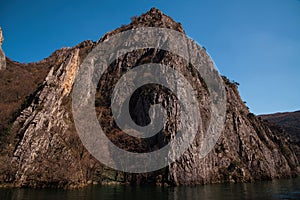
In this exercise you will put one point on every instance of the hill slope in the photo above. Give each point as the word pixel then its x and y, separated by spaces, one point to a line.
pixel 286 124
pixel 290 121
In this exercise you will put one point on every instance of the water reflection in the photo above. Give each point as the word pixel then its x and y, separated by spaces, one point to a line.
pixel 278 189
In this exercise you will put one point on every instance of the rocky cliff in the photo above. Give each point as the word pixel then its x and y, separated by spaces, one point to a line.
pixel 40 146
pixel 2 55
pixel 286 124
pixel 290 121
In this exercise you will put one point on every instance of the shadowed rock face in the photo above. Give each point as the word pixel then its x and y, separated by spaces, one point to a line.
pixel 2 55
pixel 290 121
pixel 286 124
pixel 41 147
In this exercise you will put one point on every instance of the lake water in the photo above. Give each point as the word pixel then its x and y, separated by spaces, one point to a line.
pixel 277 189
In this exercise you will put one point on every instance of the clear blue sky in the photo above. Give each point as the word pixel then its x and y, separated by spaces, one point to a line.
pixel 254 42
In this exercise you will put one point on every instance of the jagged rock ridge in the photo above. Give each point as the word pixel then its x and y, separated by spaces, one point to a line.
pixel 44 150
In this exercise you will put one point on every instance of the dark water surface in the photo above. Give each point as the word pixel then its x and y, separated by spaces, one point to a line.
pixel 277 189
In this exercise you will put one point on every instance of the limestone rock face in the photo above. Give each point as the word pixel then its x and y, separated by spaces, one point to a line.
pixel 2 55
pixel 43 148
